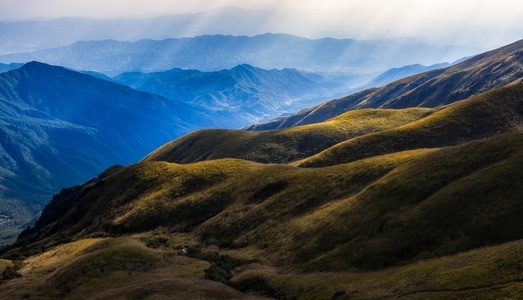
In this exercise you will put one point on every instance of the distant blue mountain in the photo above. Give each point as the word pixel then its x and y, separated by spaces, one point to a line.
pixel 251 93
pixel 60 127
pixel 217 52
pixel 30 35
pixel 402 72
pixel 9 67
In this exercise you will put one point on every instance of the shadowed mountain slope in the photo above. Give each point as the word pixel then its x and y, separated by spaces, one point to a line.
pixel 478 74
pixel 235 203
pixel 60 127
pixel 9 67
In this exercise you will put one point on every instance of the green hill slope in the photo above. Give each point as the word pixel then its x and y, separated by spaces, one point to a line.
pixel 282 146
pixel 361 216
pixel 426 206
pixel 485 115
pixel 357 134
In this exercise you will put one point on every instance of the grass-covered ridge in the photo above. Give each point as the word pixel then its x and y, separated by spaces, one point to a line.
pixel 485 273
pixel 115 268
pixel 283 146
pixel 481 116
pixel 479 74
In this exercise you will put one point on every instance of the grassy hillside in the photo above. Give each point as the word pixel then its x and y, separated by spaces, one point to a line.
pixel 481 116
pixel 357 134
pixel 166 273
pixel 117 268
pixel 413 210
pixel 486 273
pixel 282 146
pixel 426 208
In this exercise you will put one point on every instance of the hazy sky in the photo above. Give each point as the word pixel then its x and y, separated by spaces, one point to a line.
pixel 483 22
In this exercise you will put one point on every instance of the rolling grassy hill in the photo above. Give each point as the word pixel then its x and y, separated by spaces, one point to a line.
pixel 357 134
pixel 419 217
pixel 498 111
pixel 286 145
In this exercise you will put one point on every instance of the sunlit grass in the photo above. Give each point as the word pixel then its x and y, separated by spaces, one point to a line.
pixel 4 263
pixel 286 145
pixel 481 116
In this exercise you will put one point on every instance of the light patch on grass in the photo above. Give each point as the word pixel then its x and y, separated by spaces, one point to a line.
pixel 4 263
pixel 58 256
pixel 286 145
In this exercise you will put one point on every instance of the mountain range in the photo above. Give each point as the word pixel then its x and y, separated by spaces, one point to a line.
pixel 251 93
pixel 429 89
pixel 217 52
pixel 60 127
pixel 387 202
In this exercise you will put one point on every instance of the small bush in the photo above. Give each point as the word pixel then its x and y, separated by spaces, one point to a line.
pixel 11 272
pixel 221 266
pixel 260 285
pixel 157 241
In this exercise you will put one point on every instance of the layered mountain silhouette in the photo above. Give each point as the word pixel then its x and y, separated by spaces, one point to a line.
pixel 373 203
pixel 430 89
pixel 218 52
pixel 251 93
pixel 60 127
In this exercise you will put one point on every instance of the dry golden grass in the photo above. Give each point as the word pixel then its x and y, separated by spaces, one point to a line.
pixel 286 145
pixel 4 263
pixel 115 268
pixel 485 115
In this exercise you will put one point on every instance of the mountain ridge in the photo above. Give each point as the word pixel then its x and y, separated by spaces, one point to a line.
pixel 60 127
pixel 217 52
pixel 245 90
pixel 340 138
pixel 477 74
